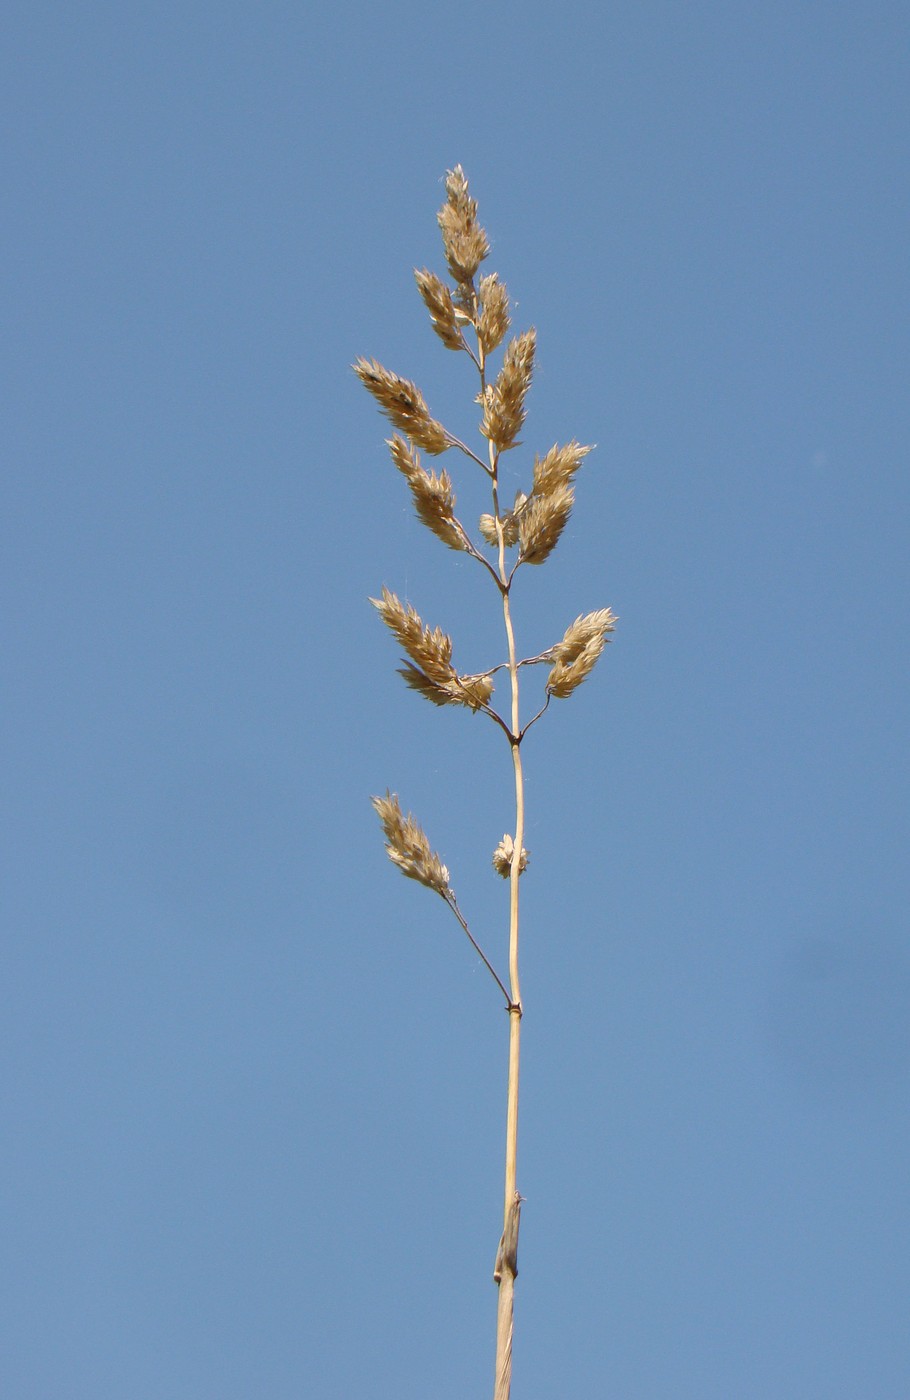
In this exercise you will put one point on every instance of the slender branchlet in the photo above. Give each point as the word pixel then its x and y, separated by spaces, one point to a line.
pixel 473 316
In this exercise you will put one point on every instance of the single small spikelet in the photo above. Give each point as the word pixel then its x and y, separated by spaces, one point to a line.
pixel 404 405
pixel 408 847
pixel 463 239
pixel 487 523
pixel 434 498
pixel 542 522
pixel 574 657
pixel 504 402
pixel 502 858
pixel 438 300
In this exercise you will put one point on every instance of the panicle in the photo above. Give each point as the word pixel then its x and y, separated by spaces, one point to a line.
pixel 408 847
pixel 503 404
pixel 404 405
pixel 434 498
pixel 463 239
pixel 438 301
pixel 542 522
pixel 493 321
pixel 574 657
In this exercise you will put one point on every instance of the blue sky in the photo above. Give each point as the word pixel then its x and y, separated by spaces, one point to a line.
pixel 253 1083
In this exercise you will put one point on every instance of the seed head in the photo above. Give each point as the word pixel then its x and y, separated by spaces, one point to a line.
pixel 438 301
pixel 542 522
pixel 408 847
pixel 503 403
pixel 494 313
pixel 404 405
pixel 463 239
pixel 434 498
pixel 557 468
pixel 574 657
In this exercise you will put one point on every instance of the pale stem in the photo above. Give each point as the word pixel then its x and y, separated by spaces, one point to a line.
pixel 505 1311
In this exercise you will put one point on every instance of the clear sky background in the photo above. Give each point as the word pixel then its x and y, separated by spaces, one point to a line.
pixel 253 1083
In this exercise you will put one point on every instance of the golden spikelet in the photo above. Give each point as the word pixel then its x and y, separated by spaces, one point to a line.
pixel 463 239
pixel 429 648
pixel 434 498
pixel 471 691
pixel 575 655
pixel 503 403
pixel 436 693
pixel 438 300
pixel 542 522
pixel 558 467
pixel 408 847
pixel 404 406
pixel 493 321
pixel 432 674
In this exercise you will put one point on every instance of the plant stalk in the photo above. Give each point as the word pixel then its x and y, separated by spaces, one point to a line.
pixel 507 1267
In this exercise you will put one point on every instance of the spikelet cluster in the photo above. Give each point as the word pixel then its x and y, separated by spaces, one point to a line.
pixel 465 243
pixel 504 410
pixel 574 657
pixel 438 300
pixel 430 671
pixel 503 855
pixel 550 502
pixel 493 320
pixel 508 519
pixel 408 847
pixel 434 497
pixel 404 406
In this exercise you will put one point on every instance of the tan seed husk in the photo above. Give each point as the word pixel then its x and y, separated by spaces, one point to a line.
pixel 463 239
pixel 504 402
pixel 408 847
pixel 493 322
pixel 404 406
pixel 429 648
pixel 575 656
pixel 542 522
pixel 557 467
pixel 438 301
pixel 471 691
pixel 434 497
pixel 432 674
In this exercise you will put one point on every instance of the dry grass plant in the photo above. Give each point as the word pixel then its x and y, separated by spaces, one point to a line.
pixel 472 317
